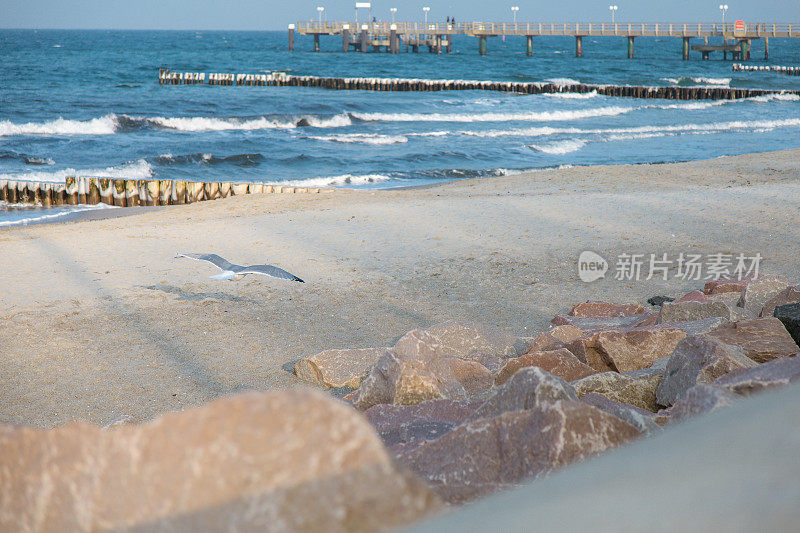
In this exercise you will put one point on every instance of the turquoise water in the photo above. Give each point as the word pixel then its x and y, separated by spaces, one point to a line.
pixel 88 103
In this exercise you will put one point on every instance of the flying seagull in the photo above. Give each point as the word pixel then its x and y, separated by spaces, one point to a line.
pixel 231 271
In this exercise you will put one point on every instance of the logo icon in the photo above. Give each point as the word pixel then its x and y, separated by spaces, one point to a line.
pixel 591 266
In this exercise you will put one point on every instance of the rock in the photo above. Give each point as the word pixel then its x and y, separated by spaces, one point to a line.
pixel 496 453
pixel 785 297
pixel 698 359
pixel 660 363
pixel 700 399
pixel 407 381
pixel 760 291
pixel 591 325
pixel 473 376
pixel 696 327
pixel 561 363
pixel 338 368
pixel 693 296
pixel 658 301
pixel 457 339
pixel 492 362
pixel 726 285
pixel 688 311
pixel 586 351
pixel 256 461
pixel 605 310
pixel 763 339
pixel 771 375
pixel 636 388
pixel 403 424
pixel 789 315
pixel 636 349
pixel 555 338
pixel 526 389
pixel 638 418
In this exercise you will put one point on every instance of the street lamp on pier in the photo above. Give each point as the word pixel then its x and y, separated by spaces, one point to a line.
pixel 320 9
pixel 724 9
pixel 514 10
pixel 393 10
pixel 426 9
pixel 613 10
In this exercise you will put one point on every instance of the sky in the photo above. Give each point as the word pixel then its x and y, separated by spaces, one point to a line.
pixel 276 15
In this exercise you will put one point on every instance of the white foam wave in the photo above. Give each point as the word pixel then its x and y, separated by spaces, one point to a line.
pixel 699 80
pixel 574 96
pixel 543 116
pixel 562 81
pixel 42 215
pixel 134 170
pixel 335 181
pixel 778 97
pixel 106 125
pixel 362 138
pixel 259 123
pixel 560 147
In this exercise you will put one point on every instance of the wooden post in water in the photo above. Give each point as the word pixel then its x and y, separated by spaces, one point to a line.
pixel 179 192
pixel 71 196
pixel 93 192
pixel 393 44
pixel 119 193
pixel 291 37
pixel 364 38
pixel 152 192
pixel 164 191
pixel 766 48
pixel 131 193
pixel 578 46
pixel 106 190
pixel 630 47
pixel 686 47
pixel 3 190
pixel 316 42
pixel 529 45
pixel 482 45
pixel 47 194
pixel 81 190
pixel 346 38
pixel 59 192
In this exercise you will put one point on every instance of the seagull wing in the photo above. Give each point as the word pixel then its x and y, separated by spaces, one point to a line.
pixel 269 270
pixel 214 259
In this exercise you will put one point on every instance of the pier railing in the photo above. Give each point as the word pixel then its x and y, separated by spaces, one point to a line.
pixel 629 29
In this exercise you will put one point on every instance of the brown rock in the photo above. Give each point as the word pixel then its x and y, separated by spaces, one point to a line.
pixel 693 296
pixel 605 310
pixel 473 376
pixel 636 388
pixel 526 389
pixel 250 462
pixel 555 338
pixel 403 424
pixel 492 362
pixel 457 339
pixel 760 291
pixel 636 349
pixel 638 418
pixel 491 454
pixel 700 399
pixel 698 359
pixel 763 339
pixel 591 325
pixel 787 296
pixel 695 327
pixel 726 285
pixel 561 363
pixel 338 368
pixel 771 375
pixel 587 352
pixel 693 310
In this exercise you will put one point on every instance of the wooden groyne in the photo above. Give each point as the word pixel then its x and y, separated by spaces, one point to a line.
pixel 280 79
pixel 789 71
pixel 132 193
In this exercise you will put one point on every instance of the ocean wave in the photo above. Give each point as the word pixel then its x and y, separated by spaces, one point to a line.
pixel 562 81
pixel 209 159
pixel 335 181
pixel 40 215
pixel 560 147
pixel 574 96
pixel 106 125
pixel 133 170
pixel 542 116
pixel 361 138
pixel 685 80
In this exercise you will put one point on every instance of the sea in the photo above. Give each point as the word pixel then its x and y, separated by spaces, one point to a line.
pixel 88 103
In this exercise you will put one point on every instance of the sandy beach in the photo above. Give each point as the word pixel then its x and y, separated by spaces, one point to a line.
pixel 99 320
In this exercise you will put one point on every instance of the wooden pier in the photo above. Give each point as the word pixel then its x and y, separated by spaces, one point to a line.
pixel 437 36
pixel 132 193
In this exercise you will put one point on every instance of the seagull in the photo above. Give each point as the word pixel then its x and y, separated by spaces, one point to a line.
pixel 231 271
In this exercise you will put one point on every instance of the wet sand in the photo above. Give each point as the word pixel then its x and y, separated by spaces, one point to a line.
pixel 100 321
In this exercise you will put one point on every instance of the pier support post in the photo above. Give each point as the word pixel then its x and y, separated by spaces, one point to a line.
pixel 578 46
pixel 364 38
pixel 686 47
pixel 766 48
pixel 415 48
pixel 529 45
pixel 744 47
pixel 393 44
pixel 291 37
pixel 482 45
pixel 316 42
pixel 449 47
pixel 438 44
pixel 346 40
pixel 630 47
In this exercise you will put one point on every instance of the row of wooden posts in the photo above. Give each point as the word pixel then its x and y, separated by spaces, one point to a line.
pixel 789 71
pixel 280 79
pixel 130 193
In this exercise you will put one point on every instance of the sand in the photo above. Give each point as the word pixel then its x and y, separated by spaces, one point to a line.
pixel 100 321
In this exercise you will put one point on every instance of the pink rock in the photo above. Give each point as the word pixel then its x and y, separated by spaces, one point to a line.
pixel 694 296
pixel 762 339
pixel 771 375
pixel 638 348
pixel 605 310
pixel 561 363
pixel 635 416
pixel 726 285
pixel 429 420
pixel 760 291
pixel 701 399
pixel 790 295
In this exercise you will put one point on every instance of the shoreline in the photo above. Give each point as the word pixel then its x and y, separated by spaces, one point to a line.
pixel 102 322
